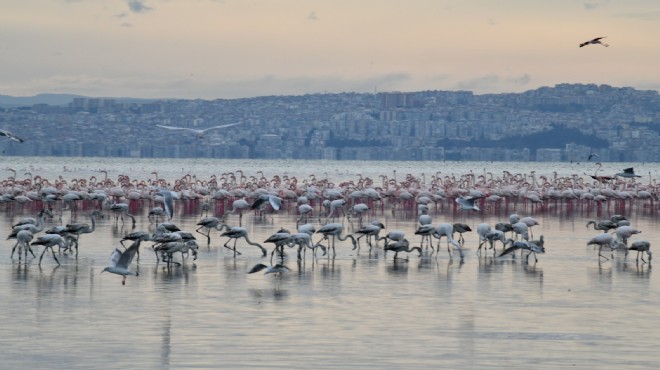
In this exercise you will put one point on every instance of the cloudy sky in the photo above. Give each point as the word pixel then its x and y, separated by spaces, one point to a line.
pixel 243 48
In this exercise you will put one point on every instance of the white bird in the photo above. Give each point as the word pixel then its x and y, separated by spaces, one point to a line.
pixel 11 136
pixel 594 42
pixel 467 203
pixel 120 261
pixel 168 202
pixel 198 132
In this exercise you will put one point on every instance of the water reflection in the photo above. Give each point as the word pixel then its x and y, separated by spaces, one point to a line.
pixel 210 313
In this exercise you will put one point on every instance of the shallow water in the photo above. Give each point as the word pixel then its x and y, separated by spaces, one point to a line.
pixel 354 311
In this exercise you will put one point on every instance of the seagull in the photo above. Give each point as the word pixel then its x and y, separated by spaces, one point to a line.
pixel 120 261
pixel 11 136
pixel 628 172
pixel 467 203
pixel 594 41
pixel 199 133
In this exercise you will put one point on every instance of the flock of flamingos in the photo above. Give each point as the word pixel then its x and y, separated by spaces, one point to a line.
pixel 321 209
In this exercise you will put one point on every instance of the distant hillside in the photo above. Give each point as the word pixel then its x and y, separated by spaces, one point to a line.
pixel 7 101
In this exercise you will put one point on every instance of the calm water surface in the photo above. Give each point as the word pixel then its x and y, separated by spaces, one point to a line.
pixel 355 311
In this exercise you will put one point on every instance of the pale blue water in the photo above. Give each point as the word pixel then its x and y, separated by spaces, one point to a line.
pixel 356 311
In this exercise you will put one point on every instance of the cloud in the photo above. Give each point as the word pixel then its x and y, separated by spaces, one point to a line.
pixel 478 83
pixel 595 4
pixel 312 16
pixel 520 80
pixel 138 6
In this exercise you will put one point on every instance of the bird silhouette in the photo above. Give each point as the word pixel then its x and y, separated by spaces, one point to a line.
pixel 594 42
pixel 10 136
pixel 198 132
pixel 628 172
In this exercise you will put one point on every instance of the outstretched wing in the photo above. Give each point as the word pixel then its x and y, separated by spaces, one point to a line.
pixel 115 257
pixel 275 202
pixel 11 136
pixel 221 126
pixel 258 267
pixel 179 128
pixel 509 250
pixel 127 256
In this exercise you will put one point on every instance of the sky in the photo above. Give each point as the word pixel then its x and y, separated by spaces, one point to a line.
pixel 224 49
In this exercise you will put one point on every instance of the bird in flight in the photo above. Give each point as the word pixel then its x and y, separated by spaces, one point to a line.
pixel 594 42
pixel 11 136
pixel 199 133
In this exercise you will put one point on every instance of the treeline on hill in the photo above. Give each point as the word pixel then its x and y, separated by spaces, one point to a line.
pixel 556 138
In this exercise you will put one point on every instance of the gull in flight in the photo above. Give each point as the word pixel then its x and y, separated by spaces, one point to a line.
pixel 594 42
pixel 467 203
pixel 199 133
pixel 120 261
pixel 11 136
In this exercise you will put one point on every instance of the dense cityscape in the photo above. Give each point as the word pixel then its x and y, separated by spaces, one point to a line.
pixel 567 122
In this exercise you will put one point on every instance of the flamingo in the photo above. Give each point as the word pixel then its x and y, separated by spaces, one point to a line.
pixel 641 246
pixel 236 233
pixel 209 223
pixel 48 241
pixel 369 230
pixel 605 225
pixel 23 239
pixel 447 230
pixel 594 41
pixel 401 246
pixel 461 228
pixel 121 209
pixel 82 228
pixel 335 231
pixel 522 245
pixel 279 239
pixel 602 240
pixel 120 261
pixel 623 233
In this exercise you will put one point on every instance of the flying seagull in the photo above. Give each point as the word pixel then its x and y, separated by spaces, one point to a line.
pixel 594 42
pixel 11 136
pixel 199 133
pixel 467 203
pixel 121 261
pixel 628 172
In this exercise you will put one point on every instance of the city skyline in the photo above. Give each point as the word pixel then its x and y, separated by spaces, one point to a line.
pixel 233 49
